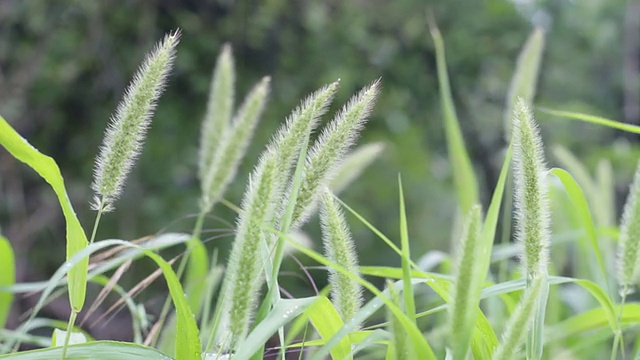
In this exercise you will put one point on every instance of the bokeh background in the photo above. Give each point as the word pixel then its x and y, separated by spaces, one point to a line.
pixel 65 64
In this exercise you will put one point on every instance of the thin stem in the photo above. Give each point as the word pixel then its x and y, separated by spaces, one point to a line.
pixel 67 337
pixel 618 340
pixel 197 231
pixel 95 224
pixel 230 205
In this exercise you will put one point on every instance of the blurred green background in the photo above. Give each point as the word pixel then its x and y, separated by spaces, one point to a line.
pixel 65 64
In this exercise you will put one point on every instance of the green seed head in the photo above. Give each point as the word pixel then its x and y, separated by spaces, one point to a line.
pixel 346 293
pixel 629 242
pixel 125 134
pixel 530 192
pixel 330 149
pixel 219 109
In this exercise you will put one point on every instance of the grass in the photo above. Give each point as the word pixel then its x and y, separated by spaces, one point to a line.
pixel 477 304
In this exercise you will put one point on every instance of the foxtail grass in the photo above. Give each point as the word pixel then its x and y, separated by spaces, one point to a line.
pixel 126 132
pixel 628 267
pixel 262 199
pixel 533 213
pixel 346 293
pixel 398 349
pixel 530 193
pixel 219 109
pixel 233 145
pixel 125 135
pixel 629 240
pixel 463 310
pixel 525 77
pixel 519 322
pixel 330 148
pixel 354 164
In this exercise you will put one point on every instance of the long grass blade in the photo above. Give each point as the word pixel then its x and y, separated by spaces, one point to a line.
pixel 593 120
pixel 582 208
pixel 465 180
pixel 416 339
pixel 407 293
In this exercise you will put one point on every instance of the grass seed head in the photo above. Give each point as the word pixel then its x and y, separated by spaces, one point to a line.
pixel 125 134
pixel 530 192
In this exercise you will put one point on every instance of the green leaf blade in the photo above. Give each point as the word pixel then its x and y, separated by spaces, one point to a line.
pixel 7 277
pixel 47 168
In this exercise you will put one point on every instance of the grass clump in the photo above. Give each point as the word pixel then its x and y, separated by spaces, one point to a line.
pixel 454 310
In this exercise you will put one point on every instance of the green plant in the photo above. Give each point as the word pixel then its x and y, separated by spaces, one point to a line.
pixel 429 315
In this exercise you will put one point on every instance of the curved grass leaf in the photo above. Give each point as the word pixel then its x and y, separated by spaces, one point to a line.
pixel 7 277
pixel 463 175
pixel 47 168
pixel 593 120
pixel 159 242
pixel 407 292
pixel 581 207
pixel 590 320
pixel 284 311
pixel 103 350
pixel 187 339
pixel 327 321
pixel 416 339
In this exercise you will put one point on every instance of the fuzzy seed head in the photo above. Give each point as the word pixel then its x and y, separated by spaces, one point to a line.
pixel 244 274
pixel 330 149
pixel 463 311
pixel 532 208
pixel 346 293
pixel 219 109
pixel 518 323
pixel 629 241
pixel 125 134
pixel 302 121
pixel 233 145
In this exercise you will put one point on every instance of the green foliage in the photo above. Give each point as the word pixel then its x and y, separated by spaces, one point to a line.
pixel 453 311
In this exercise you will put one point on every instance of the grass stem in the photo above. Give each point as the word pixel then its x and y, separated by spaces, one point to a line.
pixel 67 336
